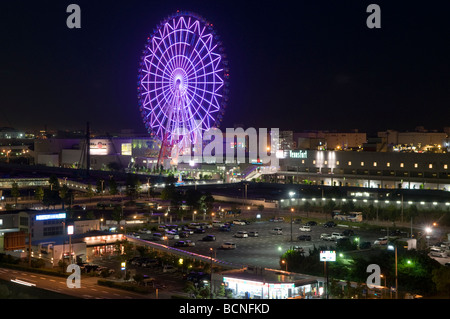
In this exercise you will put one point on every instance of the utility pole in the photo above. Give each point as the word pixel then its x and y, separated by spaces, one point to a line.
pixel 88 149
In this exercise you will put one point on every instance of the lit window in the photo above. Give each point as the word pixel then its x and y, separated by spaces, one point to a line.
pixel 375 164
pixel 303 161
pixel 445 166
pixel 430 165
pixel 337 162
pixel 314 161
pixel 402 165
pixel 349 163
pixel 362 163
pixel 326 162
pixel 416 165
pixel 388 164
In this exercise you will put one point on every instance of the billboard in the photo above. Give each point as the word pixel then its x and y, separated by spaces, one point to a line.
pixel 327 255
pixel 14 240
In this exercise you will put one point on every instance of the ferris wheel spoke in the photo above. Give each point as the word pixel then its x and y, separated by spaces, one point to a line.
pixel 199 104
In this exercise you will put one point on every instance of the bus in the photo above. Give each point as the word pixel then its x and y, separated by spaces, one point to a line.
pixel 351 217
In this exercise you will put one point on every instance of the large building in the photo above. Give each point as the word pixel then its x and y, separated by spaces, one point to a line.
pixel 367 169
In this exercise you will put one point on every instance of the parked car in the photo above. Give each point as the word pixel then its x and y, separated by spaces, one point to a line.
pixel 277 231
pixel 325 237
pixel 304 237
pixel 298 249
pixel 224 228
pixel 172 235
pixel 253 234
pixel 199 231
pixel 184 234
pixel 311 223
pixel 329 224
pixel 381 241
pixel 277 219
pixel 217 223
pixel 437 252
pixel 297 221
pixel 228 245
pixel 305 228
pixel 365 245
pixel 158 236
pixel 239 222
pixel 241 234
pixel 169 268
pixel 348 232
pixel 209 238
pixel 184 243
pixel 336 236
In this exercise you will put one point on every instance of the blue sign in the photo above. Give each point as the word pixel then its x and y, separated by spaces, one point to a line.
pixel 51 216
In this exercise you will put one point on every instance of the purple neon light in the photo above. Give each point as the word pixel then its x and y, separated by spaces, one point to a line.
pixel 182 77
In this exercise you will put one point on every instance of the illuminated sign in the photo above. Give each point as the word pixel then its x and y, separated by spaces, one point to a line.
pixel 70 230
pixel 51 216
pixel 126 148
pixel 298 154
pixel 98 147
pixel 327 255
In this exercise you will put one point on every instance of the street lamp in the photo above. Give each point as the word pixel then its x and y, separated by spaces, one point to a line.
pixel 211 250
pixel 428 230
pixel 292 213
pixel 394 247
pixel 291 194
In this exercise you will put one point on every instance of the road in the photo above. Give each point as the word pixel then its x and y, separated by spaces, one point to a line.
pixel 88 290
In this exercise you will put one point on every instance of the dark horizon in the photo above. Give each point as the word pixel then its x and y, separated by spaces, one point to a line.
pixel 294 66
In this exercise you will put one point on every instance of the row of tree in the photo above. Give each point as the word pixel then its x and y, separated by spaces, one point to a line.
pixel 417 272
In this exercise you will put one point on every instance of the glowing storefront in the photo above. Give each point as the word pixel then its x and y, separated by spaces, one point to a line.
pixel 271 284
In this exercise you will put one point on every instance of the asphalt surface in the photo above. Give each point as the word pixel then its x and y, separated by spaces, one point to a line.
pixel 266 249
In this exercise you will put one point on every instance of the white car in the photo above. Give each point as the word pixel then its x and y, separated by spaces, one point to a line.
pixel 305 228
pixel 381 241
pixel 241 234
pixel 325 237
pixel 238 222
pixel 437 252
pixel 228 246
pixel 217 223
pixel 253 234
pixel 336 236
pixel 277 231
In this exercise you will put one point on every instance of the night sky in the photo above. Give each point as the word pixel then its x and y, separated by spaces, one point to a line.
pixel 299 65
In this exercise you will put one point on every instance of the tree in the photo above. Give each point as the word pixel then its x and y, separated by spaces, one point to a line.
pixel 117 214
pixel 90 191
pixel 39 194
pixel 54 183
pixel 441 278
pixel 113 187
pixel 51 198
pixel 329 207
pixel 63 194
pixel 206 202
pixel 15 192
pixel 192 198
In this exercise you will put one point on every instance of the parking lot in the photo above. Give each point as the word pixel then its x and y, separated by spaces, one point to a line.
pixel 265 249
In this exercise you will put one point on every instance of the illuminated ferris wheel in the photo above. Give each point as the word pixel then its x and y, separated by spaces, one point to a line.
pixel 182 82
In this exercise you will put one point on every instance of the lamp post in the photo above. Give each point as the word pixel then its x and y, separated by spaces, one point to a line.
pixel 394 247
pixel 211 250
pixel 428 230
pixel 292 213
pixel 291 195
